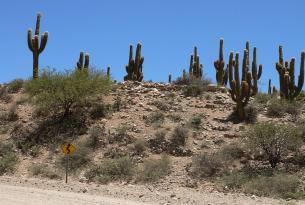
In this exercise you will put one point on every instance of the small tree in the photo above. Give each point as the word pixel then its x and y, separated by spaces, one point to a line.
pixel 59 92
pixel 276 140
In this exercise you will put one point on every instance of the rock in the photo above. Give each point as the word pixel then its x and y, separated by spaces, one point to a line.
pixel 85 189
pixel 231 135
pixel 210 106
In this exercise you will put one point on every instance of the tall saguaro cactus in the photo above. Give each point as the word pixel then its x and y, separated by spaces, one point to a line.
pixel 35 46
pixel 134 68
pixel 286 70
pixel 240 89
pixel 221 72
pixel 256 74
pixel 81 64
pixel 195 69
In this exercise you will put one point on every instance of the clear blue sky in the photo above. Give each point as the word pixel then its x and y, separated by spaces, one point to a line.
pixel 168 30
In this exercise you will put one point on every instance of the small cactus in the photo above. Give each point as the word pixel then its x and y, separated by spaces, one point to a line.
pixel 221 73
pixel 286 70
pixel 36 47
pixel 184 76
pixel 271 90
pixel 195 69
pixel 134 68
pixel 169 78
pixel 108 71
pixel 80 64
pixel 240 90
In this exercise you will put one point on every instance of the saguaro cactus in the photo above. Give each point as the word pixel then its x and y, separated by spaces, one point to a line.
pixel 108 71
pixel 271 90
pixel 35 46
pixel 288 89
pixel 195 69
pixel 240 90
pixel 221 73
pixel 169 78
pixel 256 73
pixel 80 64
pixel 134 68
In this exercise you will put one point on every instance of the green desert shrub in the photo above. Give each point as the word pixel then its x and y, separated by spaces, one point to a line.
pixel 206 165
pixel 8 158
pixel 279 107
pixel 279 185
pixel 179 136
pixel 15 86
pixel 275 140
pixel 232 151
pixel 195 122
pixel 43 170
pixel 97 137
pixel 112 170
pixel 156 118
pixel 11 115
pixel 194 90
pixel 175 117
pixel 251 113
pixel 262 98
pixel 139 146
pixel 4 95
pixel 59 92
pixel 154 169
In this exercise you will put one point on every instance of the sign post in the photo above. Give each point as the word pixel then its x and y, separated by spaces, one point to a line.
pixel 68 149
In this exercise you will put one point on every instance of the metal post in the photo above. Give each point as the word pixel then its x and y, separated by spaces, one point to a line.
pixel 67 167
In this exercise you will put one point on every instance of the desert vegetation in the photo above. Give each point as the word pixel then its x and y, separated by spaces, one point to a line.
pixel 186 132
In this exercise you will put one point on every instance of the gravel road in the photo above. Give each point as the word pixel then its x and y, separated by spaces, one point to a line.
pixel 16 195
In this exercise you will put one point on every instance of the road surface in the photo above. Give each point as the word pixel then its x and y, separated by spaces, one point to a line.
pixel 16 195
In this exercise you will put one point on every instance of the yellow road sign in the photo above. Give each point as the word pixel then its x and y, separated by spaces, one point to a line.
pixel 68 148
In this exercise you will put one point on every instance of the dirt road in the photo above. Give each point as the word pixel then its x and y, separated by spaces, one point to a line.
pixel 15 195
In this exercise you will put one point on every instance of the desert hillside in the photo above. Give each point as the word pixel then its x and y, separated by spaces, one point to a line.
pixel 159 136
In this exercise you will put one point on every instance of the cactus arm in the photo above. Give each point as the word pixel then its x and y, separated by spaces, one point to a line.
pixel 30 42
pixel 245 65
pixel 236 73
pixel 260 71
pixel 191 65
pixel 225 79
pixel 230 68
pixel 80 63
pixel 301 76
pixel 269 87
pixel 87 61
pixel 43 41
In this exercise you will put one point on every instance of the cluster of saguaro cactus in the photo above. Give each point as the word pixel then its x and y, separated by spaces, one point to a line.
pixel 35 46
pixel 286 70
pixel 81 64
pixel 221 72
pixel 240 89
pixel 134 68
pixel 195 69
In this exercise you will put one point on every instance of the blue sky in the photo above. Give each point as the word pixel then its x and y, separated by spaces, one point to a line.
pixel 168 30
